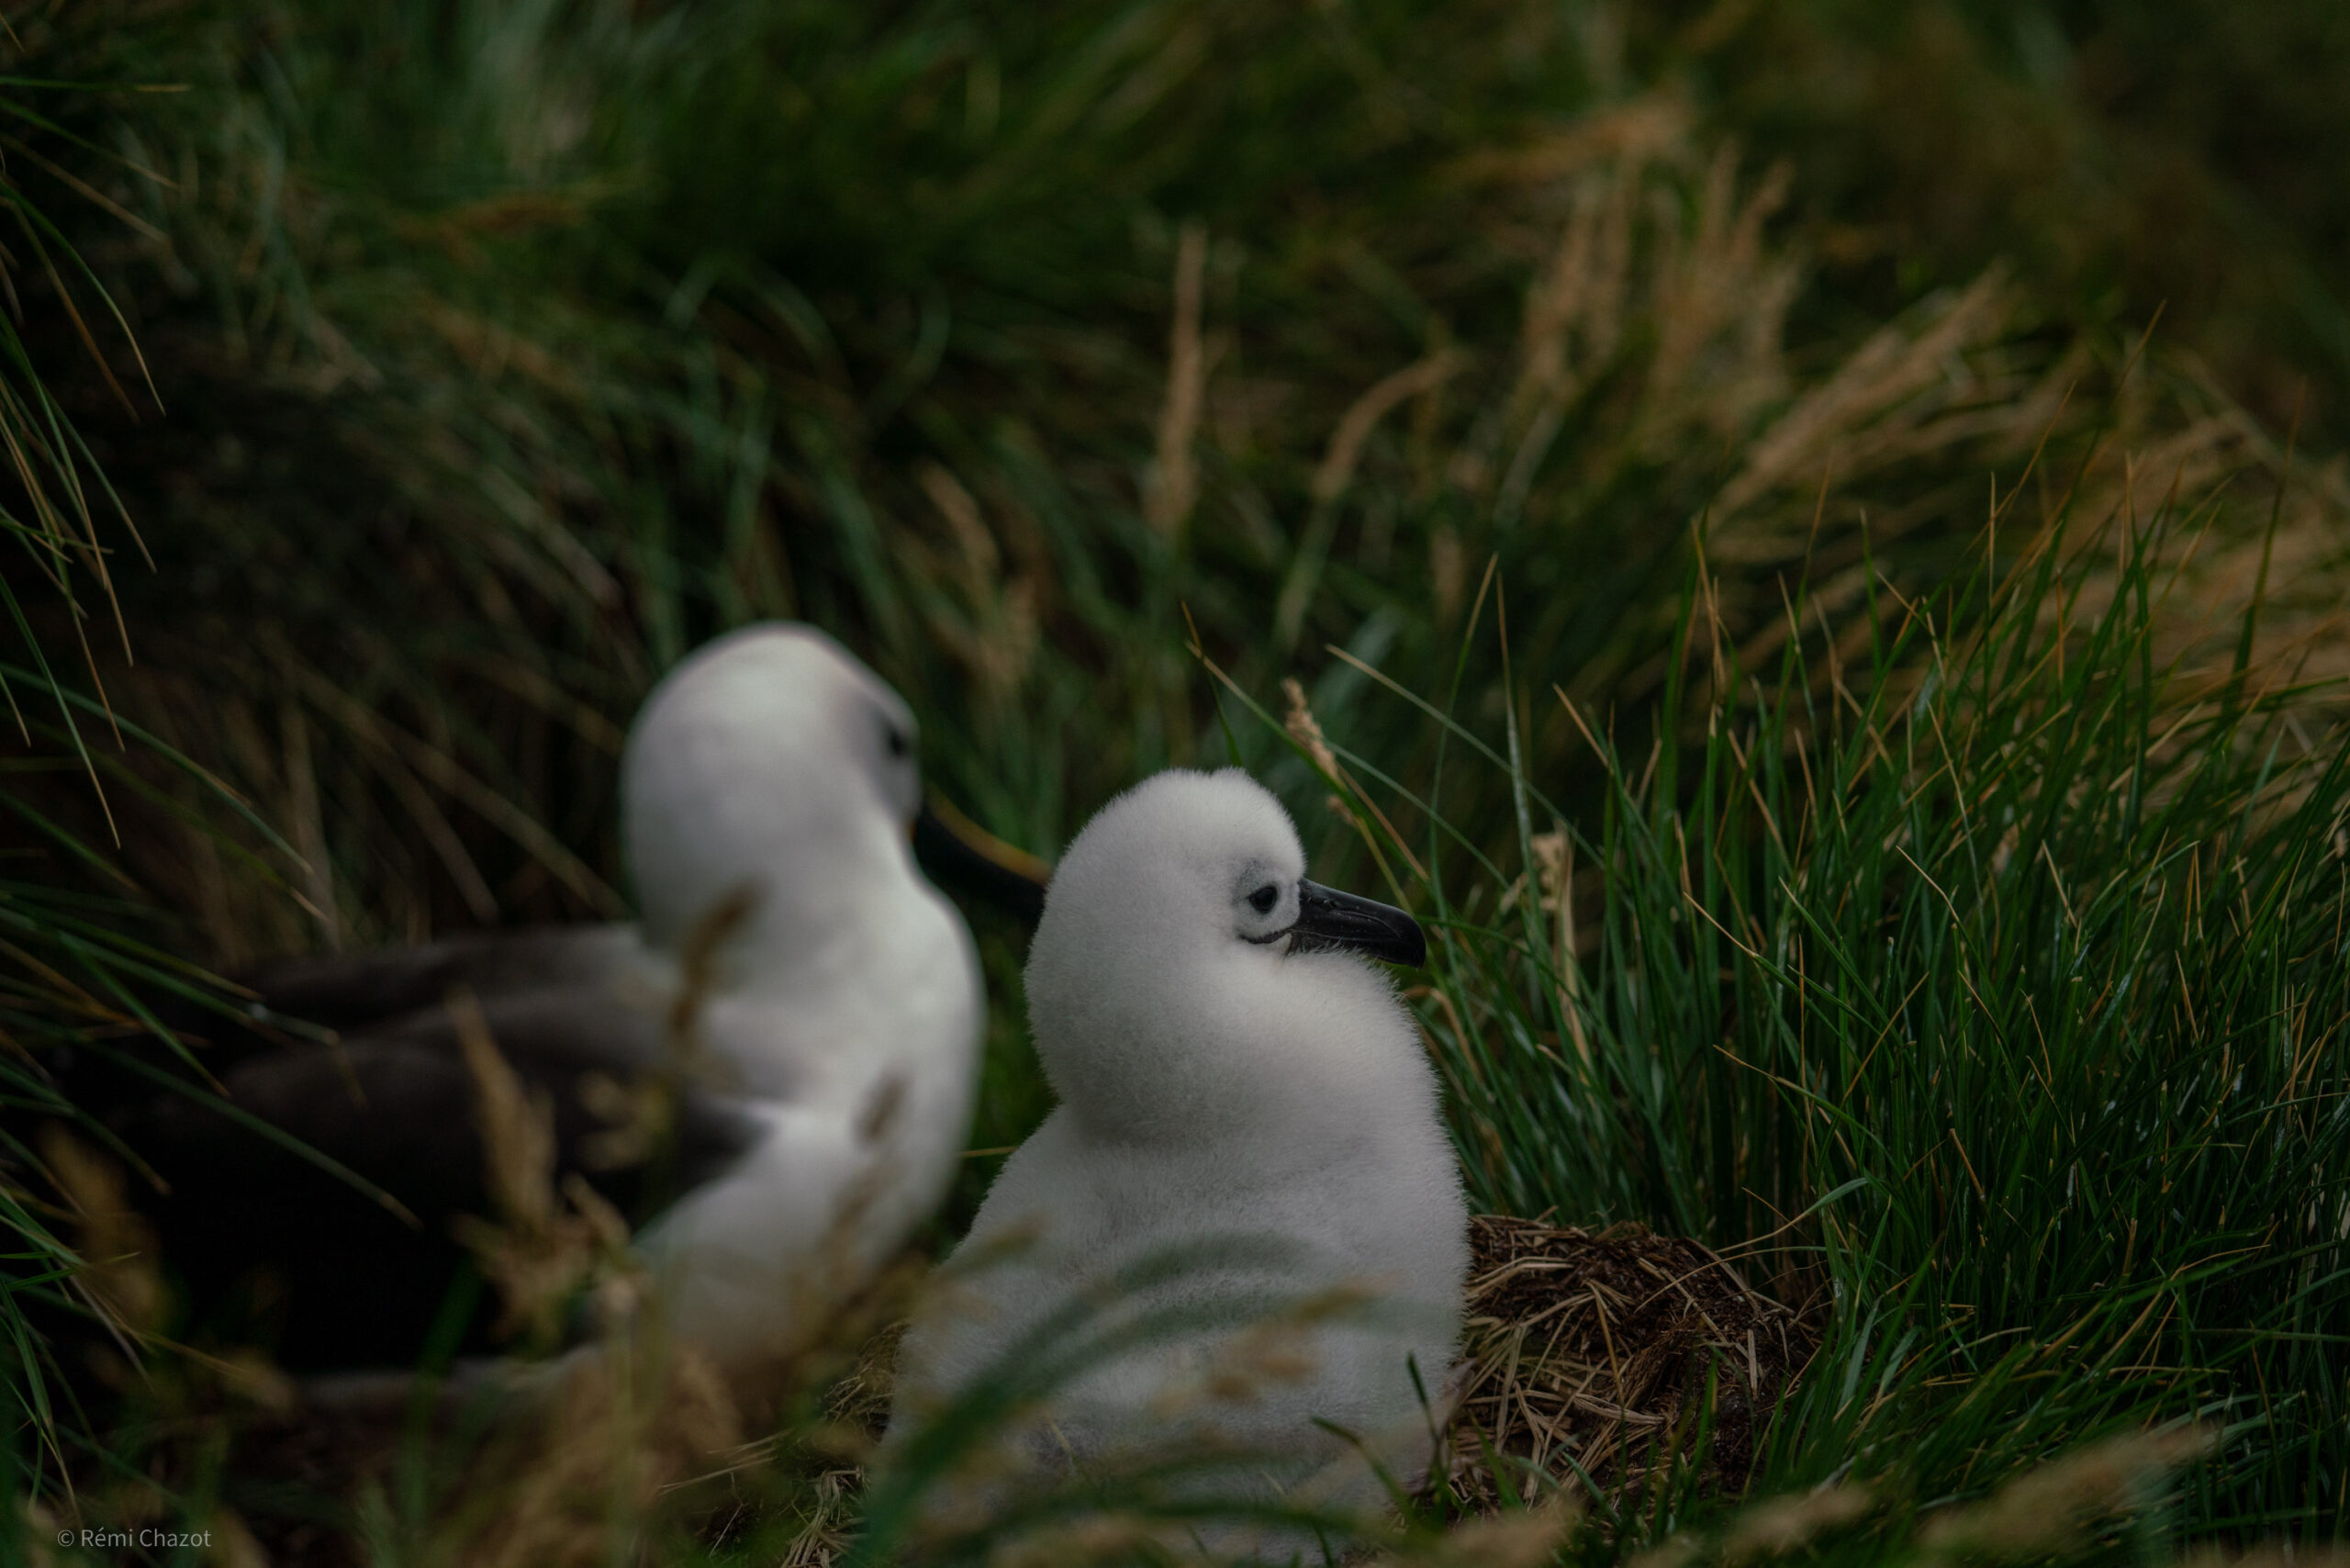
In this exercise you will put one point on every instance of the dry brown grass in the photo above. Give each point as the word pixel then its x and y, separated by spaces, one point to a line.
pixel 2052 1510
pixel 1593 1352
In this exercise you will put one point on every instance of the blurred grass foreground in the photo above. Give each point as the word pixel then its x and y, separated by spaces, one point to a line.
pixel 1809 542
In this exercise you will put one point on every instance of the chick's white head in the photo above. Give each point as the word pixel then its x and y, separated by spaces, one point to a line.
pixel 770 762
pixel 1185 967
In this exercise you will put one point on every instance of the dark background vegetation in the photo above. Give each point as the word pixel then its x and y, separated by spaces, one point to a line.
pixel 461 365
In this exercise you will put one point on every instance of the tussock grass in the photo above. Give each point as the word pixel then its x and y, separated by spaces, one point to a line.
pixel 1987 979
pixel 1940 916
pixel 999 350
pixel 83 960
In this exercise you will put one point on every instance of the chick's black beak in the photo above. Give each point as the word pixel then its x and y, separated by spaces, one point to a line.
pixel 1329 921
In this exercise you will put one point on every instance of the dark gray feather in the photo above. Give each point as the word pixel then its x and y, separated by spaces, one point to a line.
pixel 266 1243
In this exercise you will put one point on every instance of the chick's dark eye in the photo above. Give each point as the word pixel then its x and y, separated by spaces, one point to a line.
pixel 896 741
pixel 1264 898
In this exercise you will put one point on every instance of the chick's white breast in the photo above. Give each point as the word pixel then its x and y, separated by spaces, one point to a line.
pixel 1382 1212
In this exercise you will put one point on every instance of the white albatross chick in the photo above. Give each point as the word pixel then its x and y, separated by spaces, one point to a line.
pixel 1229 1065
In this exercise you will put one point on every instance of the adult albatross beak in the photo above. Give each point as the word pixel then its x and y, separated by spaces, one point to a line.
pixel 1329 921
pixel 962 857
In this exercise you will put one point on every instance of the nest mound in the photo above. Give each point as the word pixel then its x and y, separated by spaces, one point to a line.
pixel 1596 1351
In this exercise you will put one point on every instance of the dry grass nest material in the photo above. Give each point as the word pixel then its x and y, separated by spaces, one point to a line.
pixel 1598 1349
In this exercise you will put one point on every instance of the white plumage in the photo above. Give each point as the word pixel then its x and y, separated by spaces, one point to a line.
pixel 846 1015
pixel 1222 1073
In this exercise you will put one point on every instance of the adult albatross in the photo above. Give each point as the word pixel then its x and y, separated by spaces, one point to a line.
pixel 809 1003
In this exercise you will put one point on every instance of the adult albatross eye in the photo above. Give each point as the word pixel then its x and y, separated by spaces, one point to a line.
pixel 895 740
pixel 1264 898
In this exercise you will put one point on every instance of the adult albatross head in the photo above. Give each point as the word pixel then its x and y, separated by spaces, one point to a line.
pixel 771 763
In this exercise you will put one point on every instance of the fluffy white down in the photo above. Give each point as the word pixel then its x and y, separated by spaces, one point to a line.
pixel 844 1011
pixel 1212 1085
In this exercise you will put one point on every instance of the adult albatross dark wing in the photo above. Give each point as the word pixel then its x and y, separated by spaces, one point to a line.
pixel 271 1247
